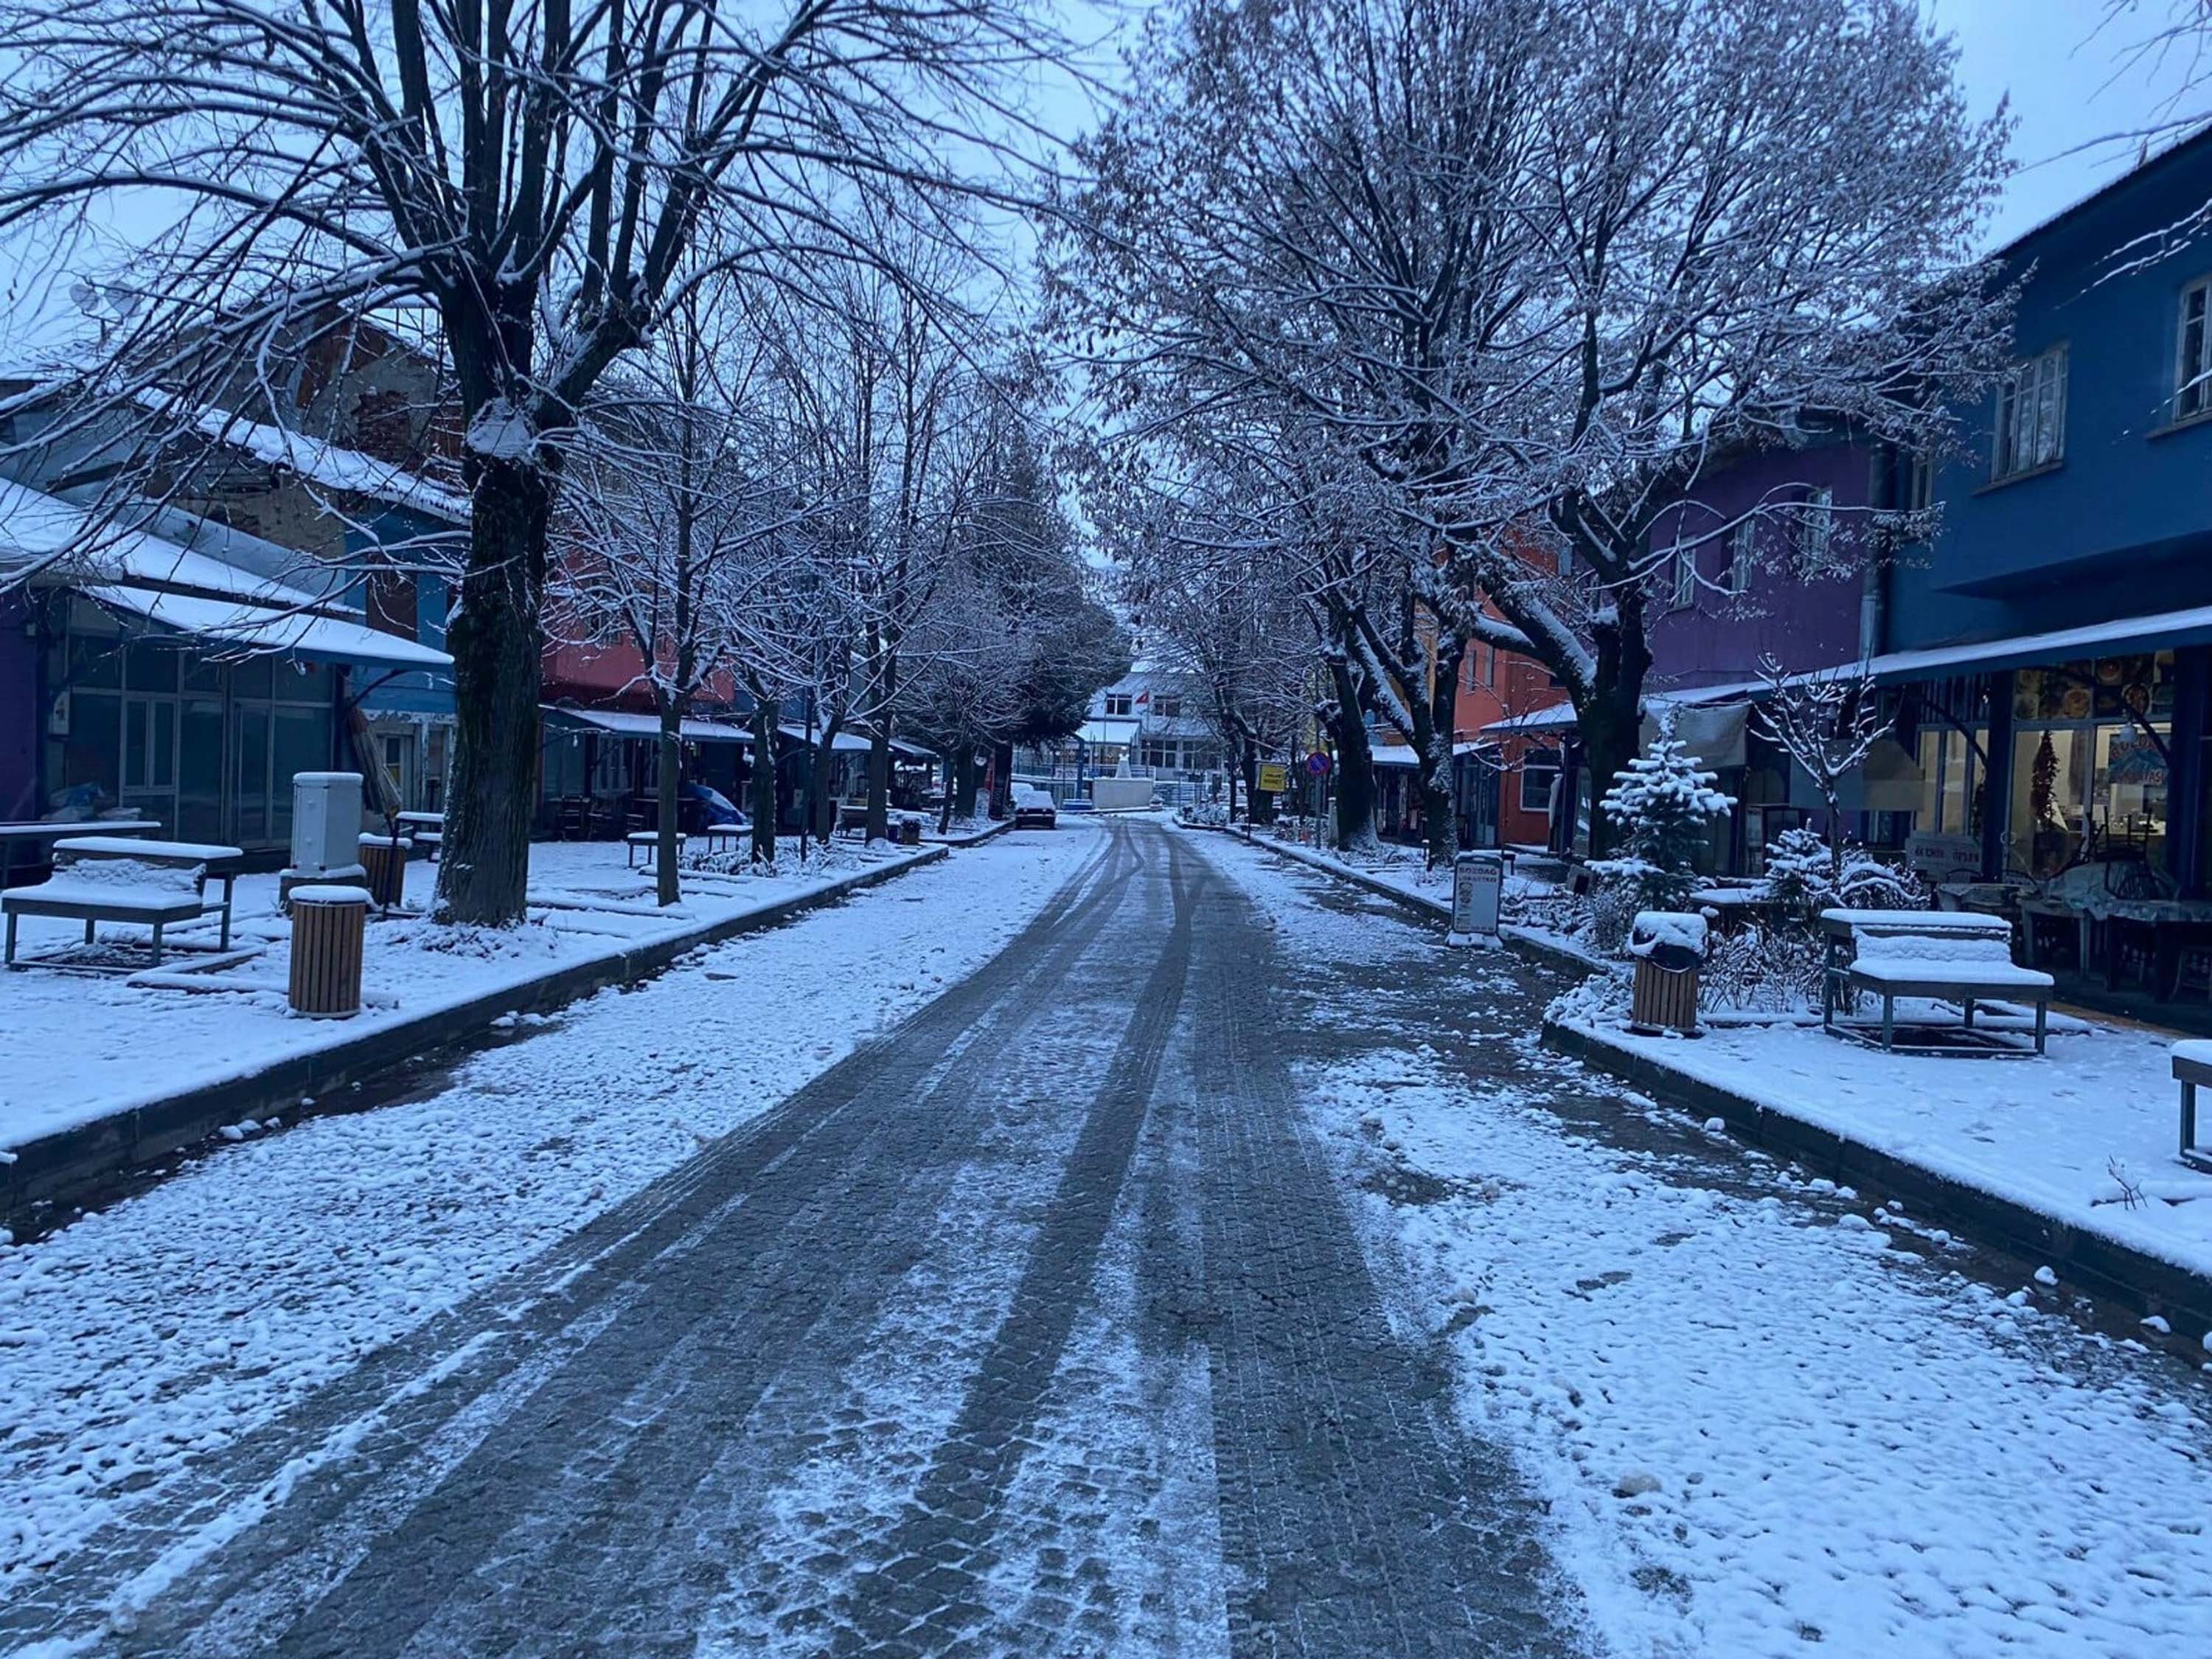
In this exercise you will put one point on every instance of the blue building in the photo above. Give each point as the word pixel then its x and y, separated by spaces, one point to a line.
pixel 2056 641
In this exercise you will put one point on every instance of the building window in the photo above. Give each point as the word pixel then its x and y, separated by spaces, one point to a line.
pixel 1119 703
pixel 1168 707
pixel 1920 484
pixel 1685 574
pixel 2192 380
pixel 2031 416
pixel 1816 531
pixel 1743 552
pixel 1159 753
pixel 1540 779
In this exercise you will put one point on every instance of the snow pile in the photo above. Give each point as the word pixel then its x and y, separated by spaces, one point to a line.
pixel 1661 931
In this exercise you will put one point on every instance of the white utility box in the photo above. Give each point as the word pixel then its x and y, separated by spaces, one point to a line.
pixel 326 825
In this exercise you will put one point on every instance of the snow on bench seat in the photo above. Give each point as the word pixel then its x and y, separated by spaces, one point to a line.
pixel 1980 962
pixel 143 894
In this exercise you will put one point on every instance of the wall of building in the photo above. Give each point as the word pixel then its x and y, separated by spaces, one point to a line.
pixel 19 697
pixel 1720 638
pixel 2122 526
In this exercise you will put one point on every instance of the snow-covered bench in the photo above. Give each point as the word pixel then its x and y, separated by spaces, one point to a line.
pixel 128 891
pixel 647 842
pixel 426 829
pixel 2192 1065
pixel 1943 956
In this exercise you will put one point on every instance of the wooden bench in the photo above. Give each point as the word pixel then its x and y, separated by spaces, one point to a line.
pixel 1948 957
pixel 2192 1065
pixel 647 842
pixel 724 837
pixel 39 831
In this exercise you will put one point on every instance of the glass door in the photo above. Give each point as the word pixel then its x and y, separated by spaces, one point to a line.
pixel 249 747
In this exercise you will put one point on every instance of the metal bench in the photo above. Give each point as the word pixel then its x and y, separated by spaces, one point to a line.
pixel 1947 956
pixel 151 895
pixel 647 842
pixel 426 829
pixel 2192 1065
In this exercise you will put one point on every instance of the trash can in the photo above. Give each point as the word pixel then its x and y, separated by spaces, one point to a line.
pixel 327 925
pixel 384 862
pixel 909 832
pixel 1668 947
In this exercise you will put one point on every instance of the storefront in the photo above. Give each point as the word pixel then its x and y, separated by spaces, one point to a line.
pixel 195 712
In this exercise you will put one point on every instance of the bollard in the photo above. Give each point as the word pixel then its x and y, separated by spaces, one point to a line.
pixel 327 925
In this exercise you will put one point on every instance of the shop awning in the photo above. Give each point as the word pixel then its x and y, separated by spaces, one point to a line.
pixel 847 743
pixel 1399 754
pixel 232 625
pixel 2160 632
pixel 1559 717
pixel 622 723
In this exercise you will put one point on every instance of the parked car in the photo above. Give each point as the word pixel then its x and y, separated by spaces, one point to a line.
pixel 1033 808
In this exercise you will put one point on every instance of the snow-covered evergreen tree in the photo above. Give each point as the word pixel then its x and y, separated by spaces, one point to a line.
pixel 1663 803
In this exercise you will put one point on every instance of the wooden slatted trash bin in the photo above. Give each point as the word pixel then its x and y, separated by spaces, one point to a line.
pixel 384 862
pixel 327 925
pixel 1668 947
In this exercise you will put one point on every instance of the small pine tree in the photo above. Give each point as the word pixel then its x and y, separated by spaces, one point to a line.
pixel 1663 802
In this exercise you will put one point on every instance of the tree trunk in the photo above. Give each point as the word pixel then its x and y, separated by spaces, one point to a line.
pixel 821 792
pixel 1611 718
pixel 494 639
pixel 1439 823
pixel 963 782
pixel 1355 763
pixel 667 816
pixel 1002 781
pixel 1248 760
pixel 880 782
pixel 945 813
pixel 764 781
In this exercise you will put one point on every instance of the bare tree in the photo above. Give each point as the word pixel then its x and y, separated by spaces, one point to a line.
pixel 1826 723
pixel 675 505
pixel 1530 264
pixel 547 180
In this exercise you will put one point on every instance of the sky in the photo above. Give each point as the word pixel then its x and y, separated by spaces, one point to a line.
pixel 2072 83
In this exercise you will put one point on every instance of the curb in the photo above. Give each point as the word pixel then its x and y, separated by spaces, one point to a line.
pixel 975 840
pixel 1530 947
pixel 2117 1273
pixel 72 1163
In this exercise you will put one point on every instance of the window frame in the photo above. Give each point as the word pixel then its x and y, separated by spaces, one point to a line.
pixel 1682 593
pixel 2193 380
pixel 1549 770
pixel 1743 555
pixel 1127 701
pixel 2050 368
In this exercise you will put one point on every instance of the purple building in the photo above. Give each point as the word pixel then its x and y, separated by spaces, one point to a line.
pixel 1766 556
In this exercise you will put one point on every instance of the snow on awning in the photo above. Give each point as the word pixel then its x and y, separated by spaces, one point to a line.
pixel 1559 717
pixel 2163 630
pixel 260 630
pixel 1402 756
pixel 847 743
pixel 1111 729
pixel 622 723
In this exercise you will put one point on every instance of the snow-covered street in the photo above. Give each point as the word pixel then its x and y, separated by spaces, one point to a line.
pixel 1198 1260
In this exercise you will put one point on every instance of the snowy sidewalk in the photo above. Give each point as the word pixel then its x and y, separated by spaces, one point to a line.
pixel 81 1053
pixel 2084 1137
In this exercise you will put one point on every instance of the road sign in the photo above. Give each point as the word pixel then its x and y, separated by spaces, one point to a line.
pixel 1317 763
pixel 1272 780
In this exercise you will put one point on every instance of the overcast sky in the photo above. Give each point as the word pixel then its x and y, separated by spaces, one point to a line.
pixel 2071 84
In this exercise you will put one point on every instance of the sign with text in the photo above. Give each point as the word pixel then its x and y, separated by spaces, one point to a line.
pixel 1272 780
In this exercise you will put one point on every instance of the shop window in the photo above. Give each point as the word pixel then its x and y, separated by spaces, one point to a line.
pixel 1816 530
pixel 2031 427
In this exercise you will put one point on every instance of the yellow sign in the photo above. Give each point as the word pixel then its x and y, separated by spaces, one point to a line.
pixel 1271 778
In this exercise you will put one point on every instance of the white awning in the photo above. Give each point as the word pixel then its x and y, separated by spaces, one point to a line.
pixel 622 723
pixel 2160 632
pixel 847 743
pixel 1108 729
pixel 1559 717
pixel 259 629
pixel 1401 754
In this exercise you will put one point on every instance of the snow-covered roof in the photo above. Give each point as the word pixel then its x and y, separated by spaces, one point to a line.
pixel 262 629
pixel 1108 728
pixel 187 593
pixel 624 723
pixel 329 465
pixel 1559 717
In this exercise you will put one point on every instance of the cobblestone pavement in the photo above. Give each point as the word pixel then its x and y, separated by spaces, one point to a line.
pixel 1039 1327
